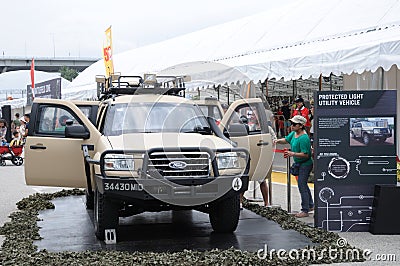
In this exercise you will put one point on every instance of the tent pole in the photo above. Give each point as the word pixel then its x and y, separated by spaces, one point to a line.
pixel 330 80
pixel 294 89
pixel 266 87
pixel 227 92
pixel 320 82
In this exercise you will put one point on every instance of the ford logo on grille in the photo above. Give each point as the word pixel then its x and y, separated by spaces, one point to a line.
pixel 177 165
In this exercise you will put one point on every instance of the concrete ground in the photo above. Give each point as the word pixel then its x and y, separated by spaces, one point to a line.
pixel 13 189
pixel 381 246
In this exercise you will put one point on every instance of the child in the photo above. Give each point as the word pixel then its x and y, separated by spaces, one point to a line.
pixel 16 140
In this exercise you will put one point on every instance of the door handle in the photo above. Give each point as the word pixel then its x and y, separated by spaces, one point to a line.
pixel 261 143
pixel 37 147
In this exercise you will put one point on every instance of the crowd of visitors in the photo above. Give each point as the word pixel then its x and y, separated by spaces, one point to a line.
pixel 286 109
pixel 19 130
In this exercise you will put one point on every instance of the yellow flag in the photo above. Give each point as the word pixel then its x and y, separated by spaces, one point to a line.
pixel 107 54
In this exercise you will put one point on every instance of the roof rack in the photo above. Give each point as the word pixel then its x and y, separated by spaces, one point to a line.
pixel 118 84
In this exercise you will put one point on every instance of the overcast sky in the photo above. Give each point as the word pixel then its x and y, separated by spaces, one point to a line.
pixel 62 28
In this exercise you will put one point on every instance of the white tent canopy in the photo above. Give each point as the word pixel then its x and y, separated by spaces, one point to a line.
pixel 306 38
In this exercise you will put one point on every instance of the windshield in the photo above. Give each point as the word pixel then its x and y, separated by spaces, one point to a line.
pixel 153 118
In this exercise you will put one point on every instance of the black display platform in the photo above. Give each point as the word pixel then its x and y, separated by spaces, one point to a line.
pixel 69 227
pixel 385 218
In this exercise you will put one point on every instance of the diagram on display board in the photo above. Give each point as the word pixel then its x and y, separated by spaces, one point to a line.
pixel 376 165
pixel 344 213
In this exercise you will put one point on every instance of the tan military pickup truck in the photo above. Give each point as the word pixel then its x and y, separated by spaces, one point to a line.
pixel 144 147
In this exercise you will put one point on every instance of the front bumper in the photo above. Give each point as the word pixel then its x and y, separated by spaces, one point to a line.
pixel 132 189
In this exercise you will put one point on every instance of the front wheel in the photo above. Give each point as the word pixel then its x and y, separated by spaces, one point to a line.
pixel 224 215
pixel 105 215
pixel 366 139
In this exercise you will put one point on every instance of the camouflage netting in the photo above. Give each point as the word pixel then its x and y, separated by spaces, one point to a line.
pixel 22 230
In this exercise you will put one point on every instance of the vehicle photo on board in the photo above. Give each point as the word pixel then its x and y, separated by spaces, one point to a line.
pixel 144 147
pixel 371 130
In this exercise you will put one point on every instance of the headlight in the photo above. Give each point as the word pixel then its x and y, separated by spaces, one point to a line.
pixel 227 160
pixel 377 131
pixel 119 162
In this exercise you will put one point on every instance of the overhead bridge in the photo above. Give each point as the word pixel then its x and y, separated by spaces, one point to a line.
pixel 47 64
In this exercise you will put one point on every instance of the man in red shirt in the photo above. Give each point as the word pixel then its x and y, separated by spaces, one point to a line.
pixel 303 111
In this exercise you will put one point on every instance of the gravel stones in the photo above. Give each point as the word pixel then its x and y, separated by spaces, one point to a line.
pixel 22 230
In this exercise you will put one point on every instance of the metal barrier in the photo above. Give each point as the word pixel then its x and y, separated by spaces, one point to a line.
pixel 288 179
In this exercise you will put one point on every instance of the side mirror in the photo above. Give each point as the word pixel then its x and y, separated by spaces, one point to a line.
pixel 237 130
pixel 69 122
pixel 77 132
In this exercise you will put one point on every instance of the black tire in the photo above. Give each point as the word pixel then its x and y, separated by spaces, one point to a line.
pixel 352 134
pixel 366 139
pixel 105 215
pixel 224 215
pixel 3 163
pixel 17 160
pixel 89 200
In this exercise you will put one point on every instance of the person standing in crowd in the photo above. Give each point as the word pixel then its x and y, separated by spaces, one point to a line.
pixel 312 121
pixel 304 112
pixel 286 114
pixel 27 117
pixel 301 152
pixel 3 131
pixel 15 123
pixel 22 128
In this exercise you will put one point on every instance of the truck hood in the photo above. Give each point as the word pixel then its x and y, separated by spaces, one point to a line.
pixel 146 141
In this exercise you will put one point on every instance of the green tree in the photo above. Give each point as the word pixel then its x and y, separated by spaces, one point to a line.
pixel 68 73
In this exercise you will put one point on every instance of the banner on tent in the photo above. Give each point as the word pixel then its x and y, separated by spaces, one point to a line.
pixel 47 89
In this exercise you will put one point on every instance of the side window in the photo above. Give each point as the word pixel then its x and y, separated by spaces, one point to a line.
pixel 52 120
pixel 85 110
pixel 247 114
pixel 90 111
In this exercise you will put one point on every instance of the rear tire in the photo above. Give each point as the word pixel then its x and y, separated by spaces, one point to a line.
pixel 105 215
pixel 224 215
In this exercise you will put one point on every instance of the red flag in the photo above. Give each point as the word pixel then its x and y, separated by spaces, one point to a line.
pixel 33 77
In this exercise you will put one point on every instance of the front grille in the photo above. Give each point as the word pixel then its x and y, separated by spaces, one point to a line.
pixel 180 164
